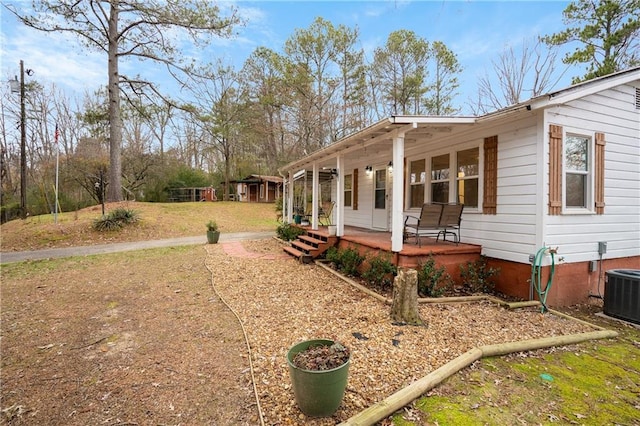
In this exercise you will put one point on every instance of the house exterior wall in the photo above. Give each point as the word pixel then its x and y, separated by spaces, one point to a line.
pixel 511 234
pixel 522 224
pixel 613 113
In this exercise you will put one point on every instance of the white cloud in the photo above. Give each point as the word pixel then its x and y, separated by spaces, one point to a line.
pixel 54 58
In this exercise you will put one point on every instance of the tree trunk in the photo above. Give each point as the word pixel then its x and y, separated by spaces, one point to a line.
pixel 115 121
pixel 405 298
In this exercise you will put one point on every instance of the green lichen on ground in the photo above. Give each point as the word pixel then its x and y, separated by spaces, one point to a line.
pixel 594 383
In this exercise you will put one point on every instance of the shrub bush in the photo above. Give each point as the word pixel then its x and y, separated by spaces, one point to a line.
pixel 288 232
pixel 433 281
pixel 477 277
pixel 124 216
pixel 380 272
pixel 346 260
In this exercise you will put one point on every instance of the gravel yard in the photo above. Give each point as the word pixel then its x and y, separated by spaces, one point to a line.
pixel 281 302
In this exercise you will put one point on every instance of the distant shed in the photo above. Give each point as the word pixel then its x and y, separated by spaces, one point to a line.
pixel 258 188
pixel 182 195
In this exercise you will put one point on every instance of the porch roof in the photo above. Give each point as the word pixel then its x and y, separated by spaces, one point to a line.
pixel 258 179
pixel 383 130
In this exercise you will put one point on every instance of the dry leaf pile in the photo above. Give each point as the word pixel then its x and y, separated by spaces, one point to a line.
pixel 282 302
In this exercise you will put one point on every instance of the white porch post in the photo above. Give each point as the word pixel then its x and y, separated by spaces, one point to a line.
pixel 290 199
pixel 339 207
pixel 397 205
pixel 314 197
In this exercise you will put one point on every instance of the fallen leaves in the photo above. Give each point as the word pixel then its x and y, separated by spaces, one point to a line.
pixel 282 302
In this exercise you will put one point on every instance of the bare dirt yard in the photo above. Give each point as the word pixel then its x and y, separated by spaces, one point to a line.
pixel 152 338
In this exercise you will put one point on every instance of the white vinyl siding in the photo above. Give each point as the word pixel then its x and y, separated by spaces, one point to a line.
pixel 613 113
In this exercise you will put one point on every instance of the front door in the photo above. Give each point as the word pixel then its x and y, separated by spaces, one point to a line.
pixel 380 212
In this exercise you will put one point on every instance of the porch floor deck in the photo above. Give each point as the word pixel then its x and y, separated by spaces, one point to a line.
pixel 445 252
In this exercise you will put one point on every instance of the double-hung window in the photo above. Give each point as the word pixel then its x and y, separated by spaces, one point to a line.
pixel 467 177
pixel 577 172
pixel 440 179
pixel 348 190
pixel 417 179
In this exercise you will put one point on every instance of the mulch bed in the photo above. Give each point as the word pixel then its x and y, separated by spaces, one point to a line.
pixel 281 302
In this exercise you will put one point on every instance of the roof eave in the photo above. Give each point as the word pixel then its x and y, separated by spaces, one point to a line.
pixel 386 126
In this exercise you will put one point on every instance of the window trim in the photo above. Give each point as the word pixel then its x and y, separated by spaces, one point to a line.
pixel 453 168
pixel 472 177
pixel 589 207
pixel 409 185
pixel 350 191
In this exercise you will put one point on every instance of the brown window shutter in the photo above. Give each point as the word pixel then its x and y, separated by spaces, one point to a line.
pixel 599 173
pixel 490 197
pixel 354 188
pixel 555 170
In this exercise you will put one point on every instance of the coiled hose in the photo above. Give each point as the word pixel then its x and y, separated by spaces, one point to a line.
pixel 536 275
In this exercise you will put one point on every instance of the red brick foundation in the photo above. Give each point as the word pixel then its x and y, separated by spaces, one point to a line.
pixel 572 282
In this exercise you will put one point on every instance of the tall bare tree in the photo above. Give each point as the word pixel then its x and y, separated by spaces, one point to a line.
pixel 128 28
pixel 517 75
pixel 218 109
pixel 263 76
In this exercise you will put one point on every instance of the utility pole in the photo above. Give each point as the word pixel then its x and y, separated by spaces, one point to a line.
pixel 23 147
pixel 17 86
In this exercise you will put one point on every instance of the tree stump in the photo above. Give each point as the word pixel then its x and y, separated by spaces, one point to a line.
pixel 405 298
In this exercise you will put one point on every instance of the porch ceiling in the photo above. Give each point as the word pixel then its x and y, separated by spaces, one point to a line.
pixel 380 135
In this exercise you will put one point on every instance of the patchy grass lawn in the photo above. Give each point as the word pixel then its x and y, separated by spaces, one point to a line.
pixel 594 383
pixel 140 337
pixel 128 338
pixel 157 221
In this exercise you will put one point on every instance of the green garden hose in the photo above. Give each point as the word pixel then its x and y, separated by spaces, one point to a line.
pixel 536 275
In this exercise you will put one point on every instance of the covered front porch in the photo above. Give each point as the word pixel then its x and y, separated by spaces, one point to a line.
pixel 374 183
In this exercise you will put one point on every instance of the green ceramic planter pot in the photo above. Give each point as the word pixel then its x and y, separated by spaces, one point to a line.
pixel 213 236
pixel 318 393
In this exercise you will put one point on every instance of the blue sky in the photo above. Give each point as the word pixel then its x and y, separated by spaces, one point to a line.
pixel 477 31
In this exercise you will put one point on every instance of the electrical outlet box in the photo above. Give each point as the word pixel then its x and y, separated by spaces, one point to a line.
pixel 593 265
pixel 532 258
pixel 602 247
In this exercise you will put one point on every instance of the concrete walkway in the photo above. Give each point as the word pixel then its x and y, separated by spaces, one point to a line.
pixel 21 256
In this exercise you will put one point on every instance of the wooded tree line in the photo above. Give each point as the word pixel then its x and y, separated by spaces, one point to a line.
pixel 137 141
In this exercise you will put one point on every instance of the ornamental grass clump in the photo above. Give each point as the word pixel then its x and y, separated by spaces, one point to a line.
pixel 115 220
pixel 322 357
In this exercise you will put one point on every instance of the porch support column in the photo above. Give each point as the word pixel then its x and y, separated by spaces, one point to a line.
pixel 290 198
pixel 314 197
pixel 339 207
pixel 397 204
